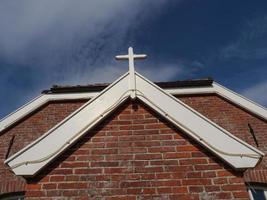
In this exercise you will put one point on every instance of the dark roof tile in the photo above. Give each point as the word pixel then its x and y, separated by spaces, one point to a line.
pixel 100 86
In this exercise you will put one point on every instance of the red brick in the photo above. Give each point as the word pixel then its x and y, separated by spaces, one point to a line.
pixel 147 156
pixel 72 185
pixel 134 191
pixel 161 149
pixel 49 186
pixel 35 193
pixel 180 190
pixel 74 164
pixel 147 176
pixel 164 175
pixel 149 190
pixel 115 170
pixel 212 188
pixel 167 183
pixel 196 182
pixel 235 180
pixel 104 151
pixel 194 175
pixel 207 167
pixel 87 171
pixel 223 195
pixel 242 194
pixel 176 155
pixel 209 174
pixel 224 173
pixel 132 150
pixel 69 193
pixel 146 144
pixel 220 181
pixel 233 187
pixel 196 189
pixel 189 148
pixel 164 190
pixel 145 132
pixel 104 164
pixel 148 169
pixel 33 187
pixel 62 171
pixel 132 127
pixel 119 157
pixel 132 138
pixel 193 161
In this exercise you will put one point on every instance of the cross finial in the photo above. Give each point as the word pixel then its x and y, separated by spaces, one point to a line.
pixel 131 56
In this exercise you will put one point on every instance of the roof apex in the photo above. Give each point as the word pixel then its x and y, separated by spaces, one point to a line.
pixel 31 159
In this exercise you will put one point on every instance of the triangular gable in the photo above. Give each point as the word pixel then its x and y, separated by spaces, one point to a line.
pixel 41 152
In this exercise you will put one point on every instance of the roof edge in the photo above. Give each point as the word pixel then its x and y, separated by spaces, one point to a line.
pixel 31 159
pixel 57 89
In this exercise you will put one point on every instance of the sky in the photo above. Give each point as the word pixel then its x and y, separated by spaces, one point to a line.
pixel 66 42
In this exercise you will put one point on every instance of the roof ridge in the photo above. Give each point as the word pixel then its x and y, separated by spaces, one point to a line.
pixel 100 86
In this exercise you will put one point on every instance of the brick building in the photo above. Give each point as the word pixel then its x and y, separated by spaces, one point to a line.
pixel 168 140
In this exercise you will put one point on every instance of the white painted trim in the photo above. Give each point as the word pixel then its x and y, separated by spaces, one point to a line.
pixel 193 90
pixel 197 126
pixel 64 134
pixel 226 93
pixel 33 158
pixel 37 103
pixel 216 88
pixel 240 100
pixel 131 57
pixel 252 187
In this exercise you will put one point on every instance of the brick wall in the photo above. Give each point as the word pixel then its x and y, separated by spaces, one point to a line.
pixel 26 131
pixel 217 109
pixel 136 155
pixel 236 121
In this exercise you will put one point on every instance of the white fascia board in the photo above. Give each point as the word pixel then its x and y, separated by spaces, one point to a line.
pixel 234 151
pixel 214 89
pixel 41 152
pixel 37 103
pixel 240 100
pixel 222 143
pixel 226 93
pixel 188 91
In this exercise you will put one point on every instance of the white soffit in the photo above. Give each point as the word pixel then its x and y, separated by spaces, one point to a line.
pixel 33 158
pixel 42 151
pixel 222 143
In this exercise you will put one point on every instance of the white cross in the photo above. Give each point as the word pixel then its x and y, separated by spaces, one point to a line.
pixel 131 56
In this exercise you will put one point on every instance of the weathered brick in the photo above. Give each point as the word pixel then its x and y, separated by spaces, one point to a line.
pixel 233 187
pixel 197 181
pixel 26 131
pixel 196 189
pixel 136 155
pixel 87 171
pixel 49 186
